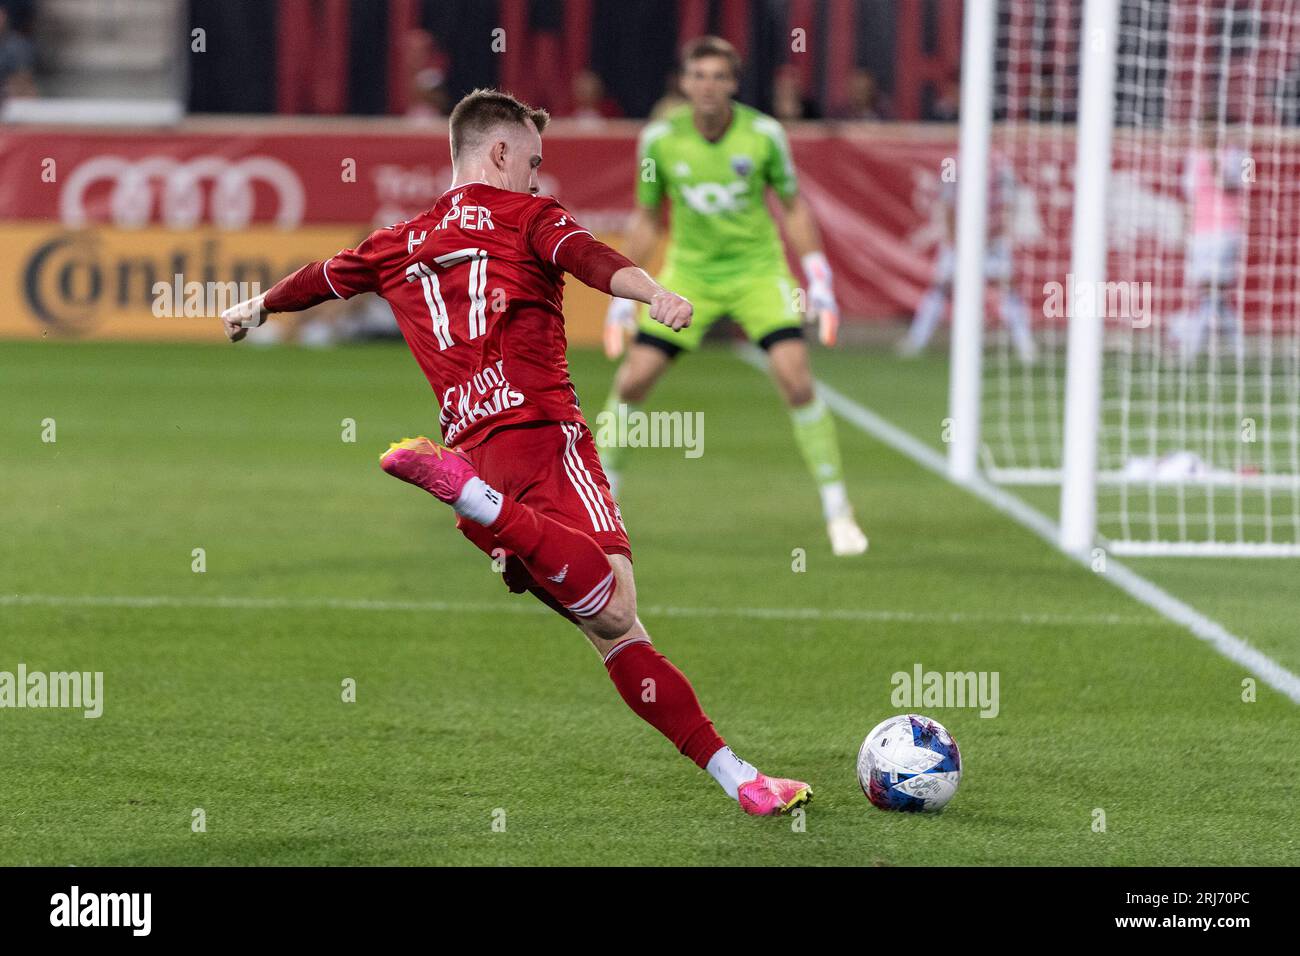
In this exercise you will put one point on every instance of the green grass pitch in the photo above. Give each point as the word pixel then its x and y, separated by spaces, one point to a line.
pixel 474 706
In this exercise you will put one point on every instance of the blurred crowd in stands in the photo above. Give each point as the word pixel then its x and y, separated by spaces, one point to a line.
pixel 431 96
pixel 586 60
pixel 17 55
pixel 589 101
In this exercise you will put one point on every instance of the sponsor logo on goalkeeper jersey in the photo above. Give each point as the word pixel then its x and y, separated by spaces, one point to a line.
pixel 711 199
pixel 486 394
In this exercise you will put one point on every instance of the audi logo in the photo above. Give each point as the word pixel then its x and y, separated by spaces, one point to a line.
pixel 231 198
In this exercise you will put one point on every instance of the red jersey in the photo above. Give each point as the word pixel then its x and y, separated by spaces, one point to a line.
pixel 477 293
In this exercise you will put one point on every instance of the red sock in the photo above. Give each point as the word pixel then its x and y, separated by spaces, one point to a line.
pixel 663 697
pixel 550 550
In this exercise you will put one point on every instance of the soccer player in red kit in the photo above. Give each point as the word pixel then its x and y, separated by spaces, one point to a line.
pixel 476 283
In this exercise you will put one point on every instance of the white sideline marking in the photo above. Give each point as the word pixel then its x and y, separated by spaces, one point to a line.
pixel 531 607
pixel 1124 578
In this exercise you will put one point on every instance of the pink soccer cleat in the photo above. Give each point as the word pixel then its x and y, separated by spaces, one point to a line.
pixel 768 796
pixel 440 471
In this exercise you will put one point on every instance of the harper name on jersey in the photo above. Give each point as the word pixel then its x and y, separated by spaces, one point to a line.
pixel 476 291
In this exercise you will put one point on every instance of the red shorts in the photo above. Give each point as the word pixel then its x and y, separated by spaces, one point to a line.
pixel 552 467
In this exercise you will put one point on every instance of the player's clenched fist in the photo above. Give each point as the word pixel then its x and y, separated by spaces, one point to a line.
pixel 242 316
pixel 670 309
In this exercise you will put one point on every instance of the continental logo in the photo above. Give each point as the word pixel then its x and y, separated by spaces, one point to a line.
pixel 180 193
pixel 72 281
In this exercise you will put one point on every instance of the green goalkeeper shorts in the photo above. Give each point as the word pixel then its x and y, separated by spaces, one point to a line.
pixel 763 304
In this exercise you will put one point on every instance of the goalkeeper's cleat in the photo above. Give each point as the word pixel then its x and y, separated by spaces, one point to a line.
pixel 846 537
pixel 769 796
pixel 440 471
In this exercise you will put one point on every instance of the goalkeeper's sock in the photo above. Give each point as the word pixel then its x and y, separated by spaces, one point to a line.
pixel 926 320
pixel 661 695
pixel 611 430
pixel 814 432
pixel 567 564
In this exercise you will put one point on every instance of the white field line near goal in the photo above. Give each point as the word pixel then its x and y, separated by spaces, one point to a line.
pixel 1152 595
pixel 531 607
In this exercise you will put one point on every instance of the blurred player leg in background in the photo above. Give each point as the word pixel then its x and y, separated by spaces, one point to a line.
pixel 929 313
pixel 653 349
pixel 1213 189
pixel 646 361
pixel 1212 270
pixel 1011 307
pixel 814 435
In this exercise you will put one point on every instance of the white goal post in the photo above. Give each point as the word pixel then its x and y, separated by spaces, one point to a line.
pixel 1129 178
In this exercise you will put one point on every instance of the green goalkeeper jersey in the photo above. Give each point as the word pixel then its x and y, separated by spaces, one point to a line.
pixel 720 226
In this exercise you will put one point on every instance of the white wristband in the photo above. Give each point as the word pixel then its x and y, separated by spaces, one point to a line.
pixel 815 267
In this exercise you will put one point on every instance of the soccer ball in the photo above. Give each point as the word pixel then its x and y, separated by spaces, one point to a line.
pixel 909 763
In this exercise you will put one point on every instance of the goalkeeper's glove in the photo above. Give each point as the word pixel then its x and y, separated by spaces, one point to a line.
pixel 619 321
pixel 821 298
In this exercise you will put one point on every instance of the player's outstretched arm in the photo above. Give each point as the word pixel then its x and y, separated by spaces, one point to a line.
pixel 607 270
pixel 308 286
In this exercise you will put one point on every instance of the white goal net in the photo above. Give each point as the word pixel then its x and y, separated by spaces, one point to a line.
pixel 1198 435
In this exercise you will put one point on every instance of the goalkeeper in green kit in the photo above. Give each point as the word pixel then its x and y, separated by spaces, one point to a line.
pixel 712 160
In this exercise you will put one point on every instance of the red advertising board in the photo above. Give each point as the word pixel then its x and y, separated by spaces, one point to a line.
pixel 232 184
pixel 88 217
